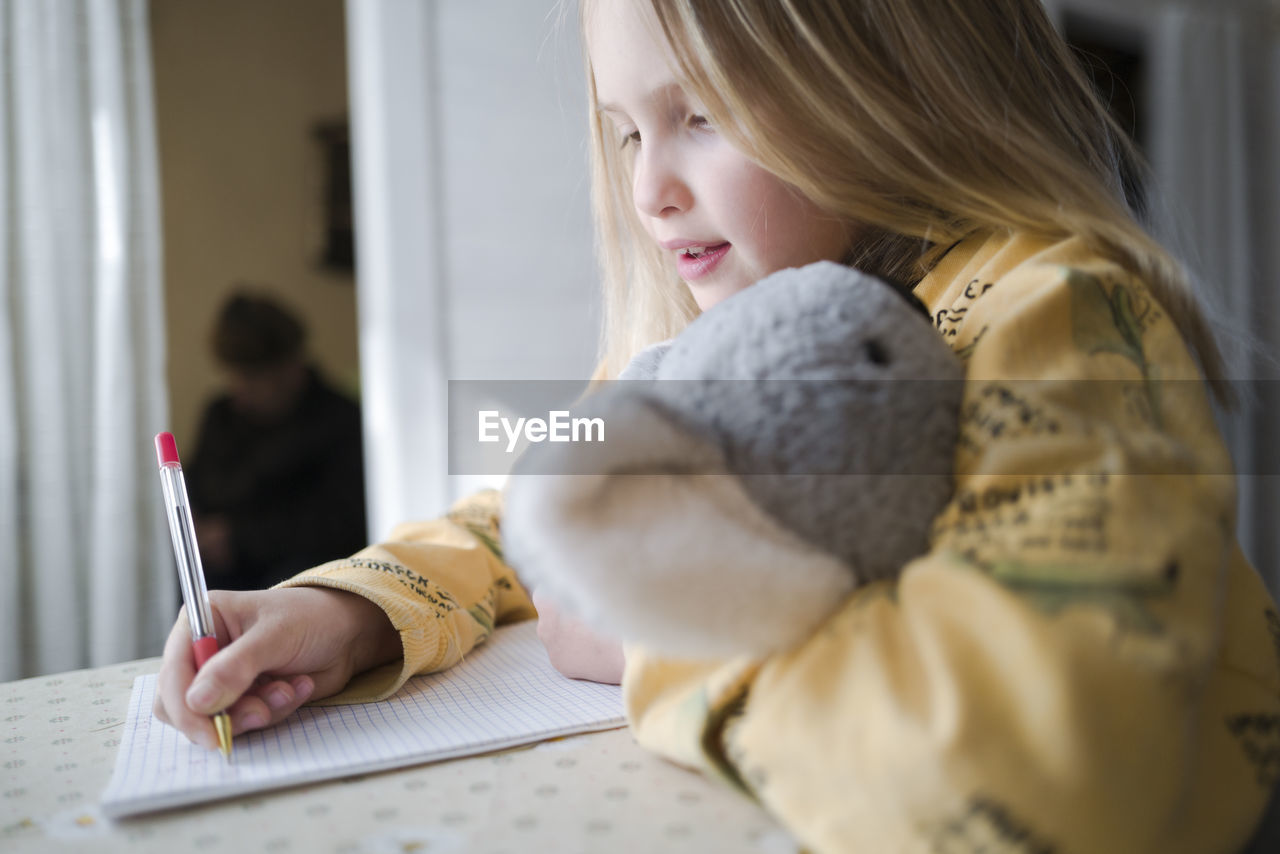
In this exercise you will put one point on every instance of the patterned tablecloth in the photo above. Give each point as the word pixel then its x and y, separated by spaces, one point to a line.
pixel 592 793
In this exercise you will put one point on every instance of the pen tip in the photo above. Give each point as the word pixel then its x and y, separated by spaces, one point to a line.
pixel 222 723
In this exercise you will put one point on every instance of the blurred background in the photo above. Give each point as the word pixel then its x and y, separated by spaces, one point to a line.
pixel 406 180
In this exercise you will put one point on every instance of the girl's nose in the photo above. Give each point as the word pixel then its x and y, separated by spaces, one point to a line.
pixel 658 188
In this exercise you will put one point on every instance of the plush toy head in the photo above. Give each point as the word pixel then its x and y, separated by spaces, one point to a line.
pixel 794 442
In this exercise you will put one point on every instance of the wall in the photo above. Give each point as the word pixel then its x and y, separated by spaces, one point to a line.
pixel 517 239
pixel 239 85
pixel 469 141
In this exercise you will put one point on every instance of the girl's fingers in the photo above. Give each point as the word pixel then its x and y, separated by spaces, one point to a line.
pixel 248 713
pixel 236 669
pixel 270 702
pixel 175 676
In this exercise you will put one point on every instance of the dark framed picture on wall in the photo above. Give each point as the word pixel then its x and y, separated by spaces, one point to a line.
pixel 337 229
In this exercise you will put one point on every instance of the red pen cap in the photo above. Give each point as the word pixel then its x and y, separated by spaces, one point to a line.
pixel 166 450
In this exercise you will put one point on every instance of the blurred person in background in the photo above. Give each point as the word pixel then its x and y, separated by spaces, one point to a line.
pixel 277 478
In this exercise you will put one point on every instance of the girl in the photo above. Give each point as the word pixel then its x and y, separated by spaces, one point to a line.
pixel 1084 661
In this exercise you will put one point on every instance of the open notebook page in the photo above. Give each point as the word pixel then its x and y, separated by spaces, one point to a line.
pixel 505 693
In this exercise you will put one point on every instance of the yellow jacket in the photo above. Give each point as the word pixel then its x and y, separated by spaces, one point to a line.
pixel 1082 662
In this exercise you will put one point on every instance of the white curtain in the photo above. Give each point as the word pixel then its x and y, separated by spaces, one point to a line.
pixel 86 577
pixel 1214 130
pixel 1213 143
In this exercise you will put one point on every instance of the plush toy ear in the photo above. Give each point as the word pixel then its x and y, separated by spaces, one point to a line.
pixel 650 541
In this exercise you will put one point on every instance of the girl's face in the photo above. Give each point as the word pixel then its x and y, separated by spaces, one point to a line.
pixel 724 221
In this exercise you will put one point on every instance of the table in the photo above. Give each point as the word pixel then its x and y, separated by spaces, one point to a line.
pixel 589 793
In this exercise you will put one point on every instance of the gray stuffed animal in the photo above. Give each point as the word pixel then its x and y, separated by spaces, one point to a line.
pixel 794 442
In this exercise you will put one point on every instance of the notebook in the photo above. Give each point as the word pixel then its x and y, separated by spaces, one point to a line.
pixel 504 694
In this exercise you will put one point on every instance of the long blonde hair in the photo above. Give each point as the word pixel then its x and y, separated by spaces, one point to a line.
pixel 924 121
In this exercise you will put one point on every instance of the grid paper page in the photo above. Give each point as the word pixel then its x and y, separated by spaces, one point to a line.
pixel 505 693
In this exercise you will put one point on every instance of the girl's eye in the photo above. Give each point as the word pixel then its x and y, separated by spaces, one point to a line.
pixel 632 138
pixel 699 122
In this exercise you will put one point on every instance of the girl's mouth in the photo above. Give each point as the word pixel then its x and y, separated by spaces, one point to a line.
pixel 694 262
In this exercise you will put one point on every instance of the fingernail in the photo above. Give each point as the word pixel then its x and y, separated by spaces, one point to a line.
pixel 303 687
pixel 201 696
pixel 251 720
pixel 277 699
pixel 208 741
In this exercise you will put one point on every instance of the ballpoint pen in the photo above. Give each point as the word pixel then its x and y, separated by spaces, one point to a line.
pixel 204 640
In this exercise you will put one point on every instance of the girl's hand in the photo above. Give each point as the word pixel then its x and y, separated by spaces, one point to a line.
pixel 574 648
pixel 279 648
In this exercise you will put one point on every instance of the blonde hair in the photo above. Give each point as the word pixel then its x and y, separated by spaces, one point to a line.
pixel 923 121
pixel 644 300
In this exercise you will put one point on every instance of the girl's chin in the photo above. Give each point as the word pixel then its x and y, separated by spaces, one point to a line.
pixel 707 294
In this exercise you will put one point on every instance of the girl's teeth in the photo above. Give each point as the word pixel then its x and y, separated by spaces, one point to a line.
pixel 693 251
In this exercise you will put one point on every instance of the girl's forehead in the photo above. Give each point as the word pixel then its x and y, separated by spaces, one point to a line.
pixel 630 59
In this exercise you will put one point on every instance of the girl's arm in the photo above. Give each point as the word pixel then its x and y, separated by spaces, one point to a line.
pixel 1082 660
pixel 442 585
